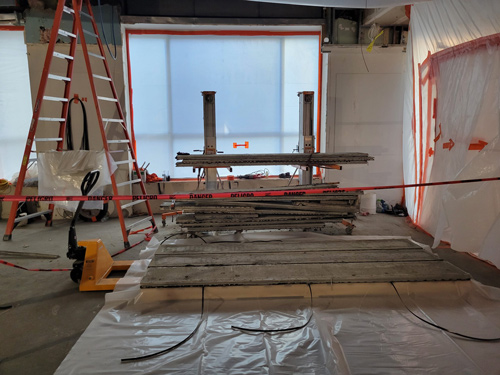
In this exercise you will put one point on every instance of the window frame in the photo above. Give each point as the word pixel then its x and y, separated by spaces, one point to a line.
pixel 231 31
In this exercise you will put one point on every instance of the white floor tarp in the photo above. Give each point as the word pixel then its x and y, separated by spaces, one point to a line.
pixel 355 329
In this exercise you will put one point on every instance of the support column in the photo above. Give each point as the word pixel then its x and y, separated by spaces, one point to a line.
pixel 209 132
pixel 306 132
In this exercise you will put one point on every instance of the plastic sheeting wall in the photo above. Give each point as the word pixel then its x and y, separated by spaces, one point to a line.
pixel 451 104
pixel 15 101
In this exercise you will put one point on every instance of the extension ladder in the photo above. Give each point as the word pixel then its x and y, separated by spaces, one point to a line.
pixel 77 31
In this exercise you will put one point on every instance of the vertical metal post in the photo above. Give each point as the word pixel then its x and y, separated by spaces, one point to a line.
pixel 306 132
pixel 209 132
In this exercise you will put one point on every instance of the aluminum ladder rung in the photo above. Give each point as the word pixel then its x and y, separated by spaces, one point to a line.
pixel 56 119
pixel 54 99
pixel 68 10
pixel 66 33
pixel 59 78
pixel 62 56
pixel 116 141
pixel 139 222
pixel 128 182
pixel 82 13
pixel 111 120
pixel 127 205
pixel 117 151
pixel 96 56
pixel 124 162
pixel 48 139
pixel 105 98
pixel 90 33
pixel 31 160
pixel 102 77
pixel 31 216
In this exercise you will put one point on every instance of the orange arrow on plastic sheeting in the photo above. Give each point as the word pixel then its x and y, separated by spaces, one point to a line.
pixel 477 146
pixel 449 145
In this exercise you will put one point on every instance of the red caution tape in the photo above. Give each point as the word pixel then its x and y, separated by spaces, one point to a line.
pixel 227 193
pixel 34 269
pixel 128 248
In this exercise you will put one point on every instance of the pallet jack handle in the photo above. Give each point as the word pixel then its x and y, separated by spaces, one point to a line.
pixel 75 251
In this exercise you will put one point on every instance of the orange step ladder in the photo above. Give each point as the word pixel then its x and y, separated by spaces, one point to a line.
pixel 115 119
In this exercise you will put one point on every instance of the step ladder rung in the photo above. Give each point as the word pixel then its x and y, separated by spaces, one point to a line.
pixel 112 120
pixel 55 119
pixel 62 56
pixel 82 13
pixel 124 162
pixel 128 182
pixel 90 33
pixel 116 151
pixel 66 33
pixel 31 160
pixel 102 77
pixel 133 203
pixel 68 10
pixel 96 56
pixel 48 139
pixel 105 98
pixel 54 99
pixel 149 218
pixel 111 141
pixel 31 216
pixel 59 78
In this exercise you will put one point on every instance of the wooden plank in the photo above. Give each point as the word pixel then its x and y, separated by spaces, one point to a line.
pixel 272 159
pixel 268 247
pixel 255 226
pixel 283 206
pixel 160 277
pixel 291 257
pixel 187 220
pixel 310 197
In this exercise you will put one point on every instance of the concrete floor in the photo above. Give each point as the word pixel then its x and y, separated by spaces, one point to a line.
pixel 49 314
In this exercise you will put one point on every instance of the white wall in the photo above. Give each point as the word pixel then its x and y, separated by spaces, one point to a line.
pixel 15 101
pixel 365 114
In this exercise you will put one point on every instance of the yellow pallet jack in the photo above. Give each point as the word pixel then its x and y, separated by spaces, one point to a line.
pixel 93 265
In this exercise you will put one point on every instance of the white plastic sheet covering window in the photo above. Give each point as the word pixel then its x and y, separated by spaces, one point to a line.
pixel 15 101
pixel 355 329
pixel 256 79
pixel 452 101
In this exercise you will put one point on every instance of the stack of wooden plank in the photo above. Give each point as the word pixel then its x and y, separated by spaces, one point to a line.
pixel 246 212
pixel 227 160
pixel 296 262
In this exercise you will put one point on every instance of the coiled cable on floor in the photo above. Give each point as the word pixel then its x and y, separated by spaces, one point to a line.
pixel 168 350
pixel 280 330
pixel 438 326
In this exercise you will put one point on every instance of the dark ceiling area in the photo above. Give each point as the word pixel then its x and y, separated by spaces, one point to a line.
pixel 189 8
pixel 217 8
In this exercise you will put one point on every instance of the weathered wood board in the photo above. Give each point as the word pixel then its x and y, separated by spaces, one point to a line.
pixel 292 257
pixel 273 263
pixel 269 247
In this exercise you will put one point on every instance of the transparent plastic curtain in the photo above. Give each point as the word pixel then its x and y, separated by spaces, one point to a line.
pixel 451 110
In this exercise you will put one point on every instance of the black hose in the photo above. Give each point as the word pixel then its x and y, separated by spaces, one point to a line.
pixel 69 131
